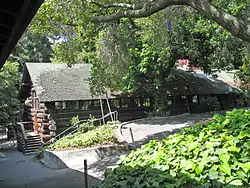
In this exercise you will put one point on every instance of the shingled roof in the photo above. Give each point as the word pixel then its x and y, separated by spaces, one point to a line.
pixel 190 83
pixel 57 82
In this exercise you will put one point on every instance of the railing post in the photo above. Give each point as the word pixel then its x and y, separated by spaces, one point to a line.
pixel 102 108
pixel 23 131
pixel 86 173
pixel 131 134
pixel 112 119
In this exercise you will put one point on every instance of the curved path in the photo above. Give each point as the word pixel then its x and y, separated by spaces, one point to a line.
pixel 144 130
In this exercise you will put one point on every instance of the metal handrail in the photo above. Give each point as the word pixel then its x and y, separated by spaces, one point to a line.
pixel 115 117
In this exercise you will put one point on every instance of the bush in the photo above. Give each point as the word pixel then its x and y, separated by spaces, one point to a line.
pixel 212 155
pixel 100 135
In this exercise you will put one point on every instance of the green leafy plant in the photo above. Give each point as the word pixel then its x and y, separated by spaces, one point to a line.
pixel 75 120
pixel 215 154
pixel 39 153
pixel 100 135
pixel 9 103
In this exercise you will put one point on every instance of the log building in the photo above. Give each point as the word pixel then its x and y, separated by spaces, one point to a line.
pixel 56 93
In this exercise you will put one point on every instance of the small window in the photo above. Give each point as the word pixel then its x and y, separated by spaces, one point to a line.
pixel 137 103
pixel 87 105
pixel 97 104
pixel 146 102
pixel 125 103
pixel 203 100
pixel 115 103
pixel 58 105
pixel 183 97
pixel 169 102
pixel 195 99
pixel 64 105
pixel 77 104
pixel 132 103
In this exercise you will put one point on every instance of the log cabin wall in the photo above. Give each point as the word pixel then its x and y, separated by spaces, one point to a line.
pixel 128 109
pixel 34 107
pixel 136 108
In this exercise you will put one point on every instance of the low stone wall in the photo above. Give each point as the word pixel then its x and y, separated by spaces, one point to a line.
pixel 71 158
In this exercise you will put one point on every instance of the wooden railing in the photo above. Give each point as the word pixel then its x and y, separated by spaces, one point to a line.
pixel 26 142
pixel 24 128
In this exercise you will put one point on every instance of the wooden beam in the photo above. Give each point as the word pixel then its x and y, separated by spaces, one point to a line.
pixel 5 26
pixel 27 12
pixel 26 84
pixel 2 36
pixel 9 12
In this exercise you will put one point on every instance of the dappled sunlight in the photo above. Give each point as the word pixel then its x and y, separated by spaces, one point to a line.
pixel 214 154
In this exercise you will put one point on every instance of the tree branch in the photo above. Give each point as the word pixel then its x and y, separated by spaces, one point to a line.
pixel 115 5
pixel 234 25
pixel 134 26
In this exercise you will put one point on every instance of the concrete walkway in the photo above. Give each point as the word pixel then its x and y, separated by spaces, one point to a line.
pixel 20 171
pixel 146 129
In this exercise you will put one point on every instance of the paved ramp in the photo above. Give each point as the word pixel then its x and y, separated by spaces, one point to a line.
pixel 144 130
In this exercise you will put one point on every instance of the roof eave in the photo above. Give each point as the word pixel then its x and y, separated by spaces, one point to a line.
pixel 28 11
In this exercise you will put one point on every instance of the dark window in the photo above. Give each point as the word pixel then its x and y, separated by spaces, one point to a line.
pixel 115 103
pixel 125 103
pixel 64 105
pixel 58 105
pixel 146 102
pixel 195 99
pixel 137 102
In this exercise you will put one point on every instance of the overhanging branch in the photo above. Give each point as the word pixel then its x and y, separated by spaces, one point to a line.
pixel 234 25
pixel 114 5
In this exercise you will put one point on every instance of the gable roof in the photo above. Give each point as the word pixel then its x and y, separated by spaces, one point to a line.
pixel 57 82
pixel 181 82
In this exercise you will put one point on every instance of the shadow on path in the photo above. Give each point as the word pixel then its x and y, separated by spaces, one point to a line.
pixel 20 171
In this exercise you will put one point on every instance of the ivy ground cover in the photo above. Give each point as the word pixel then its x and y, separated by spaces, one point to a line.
pixel 98 135
pixel 216 154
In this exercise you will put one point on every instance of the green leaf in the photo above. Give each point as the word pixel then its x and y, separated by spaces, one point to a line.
pixel 172 173
pixel 225 168
pixel 243 134
pixel 233 149
pixel 224 157
pixel 199 168
pixel 245 166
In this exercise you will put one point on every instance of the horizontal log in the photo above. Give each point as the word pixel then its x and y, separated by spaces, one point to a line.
pixel 98 110
pixel 39 115
pixel 42 105
pixel 38 111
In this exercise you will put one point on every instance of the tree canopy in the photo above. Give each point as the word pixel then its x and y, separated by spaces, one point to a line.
pixel 228 14
pixel 32 47
pixel 133 45
pixel 9 104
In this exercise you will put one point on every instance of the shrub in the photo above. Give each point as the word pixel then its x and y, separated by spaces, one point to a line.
pixel 100 135
pixel 212 155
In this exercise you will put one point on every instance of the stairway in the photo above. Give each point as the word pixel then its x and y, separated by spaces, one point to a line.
pixel 27 142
